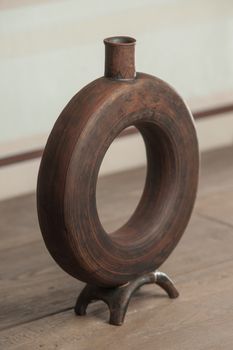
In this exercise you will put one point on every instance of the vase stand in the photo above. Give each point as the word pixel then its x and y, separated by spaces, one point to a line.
pixel 118 298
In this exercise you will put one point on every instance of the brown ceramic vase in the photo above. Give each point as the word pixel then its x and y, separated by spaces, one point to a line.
pixel 66 192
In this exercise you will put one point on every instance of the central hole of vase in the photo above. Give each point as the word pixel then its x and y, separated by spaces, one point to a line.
pixel 121 180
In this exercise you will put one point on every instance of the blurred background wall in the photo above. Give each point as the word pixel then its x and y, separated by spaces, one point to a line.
pixel 49 49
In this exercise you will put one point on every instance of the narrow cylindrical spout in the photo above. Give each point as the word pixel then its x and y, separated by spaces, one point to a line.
pixel 120 58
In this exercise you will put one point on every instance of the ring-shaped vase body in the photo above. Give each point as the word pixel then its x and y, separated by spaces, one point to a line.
pixel 66 192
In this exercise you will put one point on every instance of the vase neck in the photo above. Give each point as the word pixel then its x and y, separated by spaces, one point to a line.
pixel 120 58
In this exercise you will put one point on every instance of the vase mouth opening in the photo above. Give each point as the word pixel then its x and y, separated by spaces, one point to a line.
pixel 120 40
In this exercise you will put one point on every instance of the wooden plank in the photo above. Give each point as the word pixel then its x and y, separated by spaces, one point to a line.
pixel 33 286
pixel 218 206
pixel 215 198
pixel 19 223
pixel 216 171
pixel 200 319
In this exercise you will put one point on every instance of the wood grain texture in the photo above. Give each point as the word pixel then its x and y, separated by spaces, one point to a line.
pixel 32 287
pixel 212 179
pixel 38 287
pixel 218 206
pixel 66 191
pixel 199 317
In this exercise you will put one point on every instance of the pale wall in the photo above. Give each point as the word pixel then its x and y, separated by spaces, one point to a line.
pixel 50 49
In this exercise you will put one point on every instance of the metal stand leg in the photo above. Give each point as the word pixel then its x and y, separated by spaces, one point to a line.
pixel 118 298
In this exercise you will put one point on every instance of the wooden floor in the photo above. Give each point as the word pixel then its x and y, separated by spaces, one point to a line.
pixel 37 298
